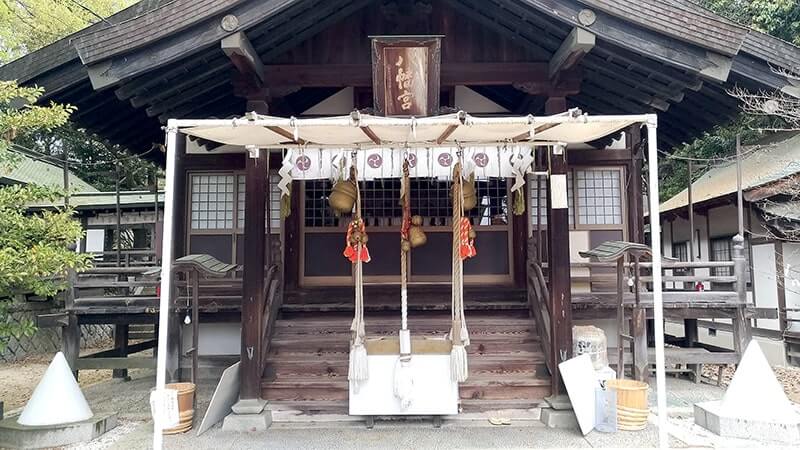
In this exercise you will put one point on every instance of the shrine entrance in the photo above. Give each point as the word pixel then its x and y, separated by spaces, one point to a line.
pixel 322 233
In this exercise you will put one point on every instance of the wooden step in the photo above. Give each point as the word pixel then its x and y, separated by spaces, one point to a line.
pixel 477 366
pixel 504 387
pixel 500 305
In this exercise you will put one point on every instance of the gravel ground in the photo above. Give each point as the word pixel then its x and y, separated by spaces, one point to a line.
pixel 21 377
pixel 789 377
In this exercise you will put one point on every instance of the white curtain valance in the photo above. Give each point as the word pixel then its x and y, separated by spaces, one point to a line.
pixel 499 161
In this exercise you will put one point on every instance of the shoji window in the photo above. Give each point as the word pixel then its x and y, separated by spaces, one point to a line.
pixel 217 211
pixel 599 196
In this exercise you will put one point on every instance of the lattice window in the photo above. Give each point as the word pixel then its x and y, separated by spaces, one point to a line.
pixel 274 202
pixel 212 202
pixel 537 201
pixel 540 203
pixel 430 198
pixel 599 197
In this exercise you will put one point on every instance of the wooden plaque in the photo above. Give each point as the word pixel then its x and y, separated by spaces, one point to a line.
pixel 405 75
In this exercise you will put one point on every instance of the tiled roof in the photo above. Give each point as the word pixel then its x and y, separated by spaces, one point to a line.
pixel 32 171
pixel 761 164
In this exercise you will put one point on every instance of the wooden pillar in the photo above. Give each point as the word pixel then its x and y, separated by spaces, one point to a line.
pixel 178 238
pixel 255 236
pixel 519 236
pixel 635 195
pixel 291 239
pixel 558 254
pixel 71 333
pixel 121 346
pixel 639 333
pixel 780 281
pixel 742 332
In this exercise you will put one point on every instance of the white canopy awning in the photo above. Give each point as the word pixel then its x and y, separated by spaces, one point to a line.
pixel 364 131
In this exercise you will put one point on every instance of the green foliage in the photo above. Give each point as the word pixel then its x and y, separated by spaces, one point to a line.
pixel 780 18
pixel 27 25
pixel 95 158
pixel 36 249
pixel 720 142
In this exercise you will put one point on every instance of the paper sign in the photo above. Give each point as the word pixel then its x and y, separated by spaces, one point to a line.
pixel 558 191
pixel 164 408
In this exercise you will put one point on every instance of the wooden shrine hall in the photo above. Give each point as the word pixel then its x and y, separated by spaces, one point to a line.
pixel 292 97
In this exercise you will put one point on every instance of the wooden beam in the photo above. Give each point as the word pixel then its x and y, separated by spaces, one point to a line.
pixel 578 43
pixel 243 55
pixel 534 74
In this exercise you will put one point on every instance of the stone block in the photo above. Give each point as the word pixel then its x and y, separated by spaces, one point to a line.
pixel 247 423
pixel 713 417
pixel 559 418
pixel 14 435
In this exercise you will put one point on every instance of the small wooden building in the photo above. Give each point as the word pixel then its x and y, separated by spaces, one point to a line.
pixel 199 59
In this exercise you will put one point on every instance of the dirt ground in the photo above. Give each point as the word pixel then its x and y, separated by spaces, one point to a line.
pixel 20 378
pixel 789 377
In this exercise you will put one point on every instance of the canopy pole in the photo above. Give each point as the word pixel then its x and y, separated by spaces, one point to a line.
pixel 166 278
pixel 658 303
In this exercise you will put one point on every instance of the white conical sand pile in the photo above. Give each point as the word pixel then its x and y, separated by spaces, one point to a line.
pixel 754 406
pixel 57 399
pixel 754 391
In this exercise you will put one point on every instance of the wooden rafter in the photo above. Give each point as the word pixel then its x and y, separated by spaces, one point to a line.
pixel 243 56
pixel 578 43
pixel 371 134
pixel 287 134
pixel 446 133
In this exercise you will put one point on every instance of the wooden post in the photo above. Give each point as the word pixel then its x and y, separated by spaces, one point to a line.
pixel 558 254
pixel 71 334
pixel 121 346
pixel 639 329
pixel 742 332
pixel 559 264
pixel 256 176
pixel 635 195
pixel 780 281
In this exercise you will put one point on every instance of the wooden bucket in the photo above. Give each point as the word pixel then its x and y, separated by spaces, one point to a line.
pixel 185 407
pixel 632 409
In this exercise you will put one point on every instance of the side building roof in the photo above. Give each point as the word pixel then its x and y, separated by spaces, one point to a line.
pixel 768 161
pixel 33 171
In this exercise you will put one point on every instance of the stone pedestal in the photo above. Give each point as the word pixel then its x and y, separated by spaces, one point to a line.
pixel 754 406
pixel 14 435
pixel 248 415
pixel 559 413
pixel 713 417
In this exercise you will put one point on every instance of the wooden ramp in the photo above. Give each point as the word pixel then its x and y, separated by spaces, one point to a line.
pixel 307 366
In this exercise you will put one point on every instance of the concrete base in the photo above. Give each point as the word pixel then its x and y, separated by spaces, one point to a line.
pixel 249 406
pixel 711 416
pixel 14 435
pixel 559 402
pixel 247 422
pixel 559 418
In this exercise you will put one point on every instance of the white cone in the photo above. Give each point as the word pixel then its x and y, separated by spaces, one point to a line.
pixel 57 399
pixel 754 391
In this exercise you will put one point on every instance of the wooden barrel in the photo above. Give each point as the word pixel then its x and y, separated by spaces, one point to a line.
pixel 185 407
pixel 632 409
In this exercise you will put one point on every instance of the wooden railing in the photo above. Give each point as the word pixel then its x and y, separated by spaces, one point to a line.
pixel 125 258
pixel 539 304
pixel 273 298
pixel 112 289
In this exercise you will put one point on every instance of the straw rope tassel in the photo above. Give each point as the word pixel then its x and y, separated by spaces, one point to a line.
pixel 458 355
pixel 403 375
pixel 359 365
